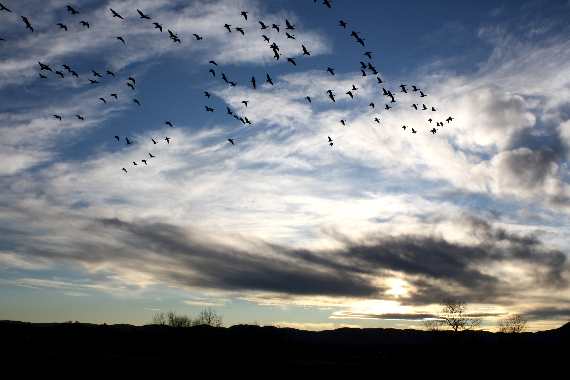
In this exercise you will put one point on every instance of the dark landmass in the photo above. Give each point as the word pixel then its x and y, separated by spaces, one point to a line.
pixel 257 347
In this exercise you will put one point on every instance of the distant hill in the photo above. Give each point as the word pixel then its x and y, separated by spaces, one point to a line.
pixel 245 345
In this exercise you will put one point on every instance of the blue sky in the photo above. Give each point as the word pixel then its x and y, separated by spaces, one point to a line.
pixel 282 228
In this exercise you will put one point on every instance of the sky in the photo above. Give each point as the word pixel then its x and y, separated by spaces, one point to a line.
pixel 280 228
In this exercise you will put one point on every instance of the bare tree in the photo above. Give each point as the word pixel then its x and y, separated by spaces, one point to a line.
pixel 454 315
pixel 171 319
pixel 433 324
pixel 208 317
pixel 513 324
pixel 159 319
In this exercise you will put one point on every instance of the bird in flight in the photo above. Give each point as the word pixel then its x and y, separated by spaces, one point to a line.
pixel 213 72
pixel 72 10
pixel 377 120
pixel 137 102
pixel 245 102
pixel 241 31
pixel 331 95
pixel 343 24
pixel 122 40
pixel 44 67
pixel 415 106
pixel 58 117
pixel 143 15
pixel 103 100
pixel 209 109
pixel 305 51
pixel 198 37
pixel 253 83
pixel 129 142
pixel 288 25
pixel 115 14
pixel 85 24
pixel 169 124
pixel 151 155
pixel 368 54
pixel 167 139
pixel 43 76
pixel 157 26
pixel 27 22
pixel 228 27
pixel 343 122
pixel 144 162
pixel 4 8
pixel 330 70
pixel 232 141
pixel 276 27
pixel 60 74
pixel 129 84
pixel 62 26
pixel 331 142
pixel 269 80
pixel 115 96
pixel 433 131
pixel 79 117
pixel 403 87
pixel 349 93
pixel 125 170
pixel 308 99
pixel 327 3
pixel 132 80
pixel 207 94
pixel 118 138
pixel 449 119
pixel 96 74
pixel 244 14
pixel 154 141
pixel 292 61
pixel 109 72
pixel 266 38
pixel 290 36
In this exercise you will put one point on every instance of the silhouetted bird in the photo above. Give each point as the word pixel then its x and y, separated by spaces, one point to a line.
pixel 433 131
pixel 151 155
pixel 157 26
pixel 327 3
pixel 245 102
pixel 266 38
pixel 132 80
pixel 247 121
pixel 229 111
pixel 263 26
pixel 143 15
pixel 422 94
pixel 349 93
pixel 433 109
pixel 43 66
pixel 135 164
pixel 4 8
pixel 92 81
pixel 62 26
pixel 379 80
pixel 198 37
pixel 72 10
pixel 424 107
pixel 43 76
pixel 368 54
pixel 85 24
pixel 290 36
pixel 115 14
pixel 330 70
pixel 169 124
pixel 109 72
pixel 103 100
pixel 118 138
pixel 305 51
pixel 388 107
pixel 137 102
pixel 253 83
pixel 144 162
pixel 292 61
pixel 121 39
pixel 413 131
pixel 209 109
pixel 244 14
pixel 331 95
pixel 207 94
pixel 276 27
pixel 308 99
pixel 125 170
pixel 74 73
pixel 449 119
pixel 213 72
pixel 60 74
pixel 224 78
pixel 430 120
pixel 79 117
pixel 96 74
pixel 228 27
pixel 403 87
pixel 115 96
pixel 27 22
pixel 154 141
pixel 415 89
pixel 269 80
pixel 241 31
pixel 343 24
pixel 343 122
pixel 232 141
pixel 331 142
pixel 129 84
pixel 404 127
pixel 363 73
pixel 372 105
pixel 415 106
pixel 58 117
pixel 288 25
pixel 167 139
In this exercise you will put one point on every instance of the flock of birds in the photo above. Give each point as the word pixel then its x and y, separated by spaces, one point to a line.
pixel 367 69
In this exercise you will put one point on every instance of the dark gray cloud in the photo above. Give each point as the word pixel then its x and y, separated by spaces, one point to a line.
pixel 436 268
pixel 548 313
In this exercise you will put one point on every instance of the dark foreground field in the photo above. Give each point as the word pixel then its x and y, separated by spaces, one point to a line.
pixel 255 347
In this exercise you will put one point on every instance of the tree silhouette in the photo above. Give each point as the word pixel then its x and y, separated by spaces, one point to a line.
pixel 453 314
pixel 513 324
